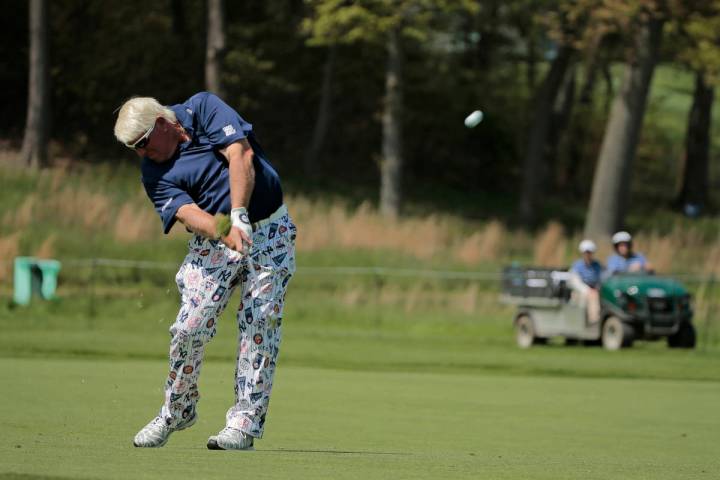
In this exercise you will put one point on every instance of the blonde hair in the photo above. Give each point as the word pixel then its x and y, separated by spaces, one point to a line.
pixel 137 115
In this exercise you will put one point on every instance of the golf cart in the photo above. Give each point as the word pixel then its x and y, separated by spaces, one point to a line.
pixel 632 307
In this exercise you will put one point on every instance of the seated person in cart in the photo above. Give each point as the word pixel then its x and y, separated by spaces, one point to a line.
pixel 624 259
pixel 586 280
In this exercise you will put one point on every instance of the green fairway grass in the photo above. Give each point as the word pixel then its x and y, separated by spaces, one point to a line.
pixel 71 418
pixel 379 377
pixel 321 330
pixel 369 388
pixel 408 374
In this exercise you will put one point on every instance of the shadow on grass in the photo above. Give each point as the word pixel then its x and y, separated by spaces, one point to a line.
pixel 334 452
pixel 25 476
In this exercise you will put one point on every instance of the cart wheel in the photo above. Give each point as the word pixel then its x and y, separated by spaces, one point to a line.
pixel 684 338
pixel 525 332
pixel 616 334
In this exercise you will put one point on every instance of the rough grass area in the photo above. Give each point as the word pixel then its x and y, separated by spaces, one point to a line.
pixel 102 211
pixel 331 322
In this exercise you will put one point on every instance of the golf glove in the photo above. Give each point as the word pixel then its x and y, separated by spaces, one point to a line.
pixel 240 219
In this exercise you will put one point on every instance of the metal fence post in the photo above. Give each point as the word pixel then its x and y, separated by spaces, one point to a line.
pixel 379 282
pixel 708 311
pixel 92 311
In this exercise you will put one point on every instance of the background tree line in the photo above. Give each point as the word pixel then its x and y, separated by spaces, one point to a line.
pixel 370 95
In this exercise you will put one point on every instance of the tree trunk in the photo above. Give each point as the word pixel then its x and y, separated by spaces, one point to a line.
pixel 324 113
pixel 178 17
pixel 534 168
pixel 391 166
pixel 34 147
pixel 215 48
pixel 562 111
pixel 611 183
pixel 531 62
pixel 579 127
pixel 697 146
pixel 593 61
pixel 609 91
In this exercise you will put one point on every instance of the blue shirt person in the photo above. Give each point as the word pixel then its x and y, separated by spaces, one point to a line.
pixel 624 259
pixel 634 262
pixel 201 158
pixel 590 273
pixel 587 268
pixel 198 173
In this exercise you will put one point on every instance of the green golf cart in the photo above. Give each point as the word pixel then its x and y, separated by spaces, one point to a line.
pixel 632 307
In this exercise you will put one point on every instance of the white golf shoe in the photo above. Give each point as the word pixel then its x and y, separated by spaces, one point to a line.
pixel 230 439
pixel 156 433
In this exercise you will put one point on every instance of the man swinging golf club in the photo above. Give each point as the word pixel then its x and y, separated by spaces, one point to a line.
pixel 201 160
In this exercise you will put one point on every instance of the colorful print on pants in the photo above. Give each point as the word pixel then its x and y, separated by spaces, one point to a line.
pixel 206 280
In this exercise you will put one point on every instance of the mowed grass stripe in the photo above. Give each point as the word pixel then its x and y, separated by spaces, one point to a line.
pixel 76 419
pixel 333 348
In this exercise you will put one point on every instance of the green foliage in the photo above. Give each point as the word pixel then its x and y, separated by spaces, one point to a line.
pixel 699 35
pixel 461 55
pixel 101 56
pixel 367 21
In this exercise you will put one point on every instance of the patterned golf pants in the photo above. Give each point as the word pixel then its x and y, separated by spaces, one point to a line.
pixel 208 276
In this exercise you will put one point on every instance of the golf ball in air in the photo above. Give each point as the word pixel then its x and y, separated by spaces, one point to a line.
pixel 473 119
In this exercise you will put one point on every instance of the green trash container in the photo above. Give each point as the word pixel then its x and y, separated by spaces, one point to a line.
pixel 34 276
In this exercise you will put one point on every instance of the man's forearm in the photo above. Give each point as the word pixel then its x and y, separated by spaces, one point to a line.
pixel 197 220
pixel 242 173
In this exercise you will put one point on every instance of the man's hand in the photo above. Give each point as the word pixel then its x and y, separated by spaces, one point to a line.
pixel 237 240
pixel 241 223
pixel 201 222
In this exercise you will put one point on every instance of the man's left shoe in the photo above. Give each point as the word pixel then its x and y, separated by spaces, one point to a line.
pixel 230 439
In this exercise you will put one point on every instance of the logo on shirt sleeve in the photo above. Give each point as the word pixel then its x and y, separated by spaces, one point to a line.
pixel 229 130
pixel 167 204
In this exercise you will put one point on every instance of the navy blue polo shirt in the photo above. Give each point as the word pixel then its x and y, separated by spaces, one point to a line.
pixel 198 173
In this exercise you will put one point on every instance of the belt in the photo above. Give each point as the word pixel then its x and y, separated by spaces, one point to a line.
pixel 277 215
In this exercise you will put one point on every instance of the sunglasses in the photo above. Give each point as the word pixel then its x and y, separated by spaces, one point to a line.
pixel 142 141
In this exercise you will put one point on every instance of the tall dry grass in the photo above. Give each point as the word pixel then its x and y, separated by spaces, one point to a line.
pixel 337 226
pixel 483 245
pixel 91 211
pixel 681 250
pixel 712 261
pixel 47 248
pixel 660 249
pixel 84 210
pixel 9 249
pixel 135 222
pixel 550 248
pixel 421 297
pixel 87 205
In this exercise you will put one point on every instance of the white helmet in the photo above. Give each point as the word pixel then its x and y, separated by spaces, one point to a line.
pixel 621 237
pixel 587 246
